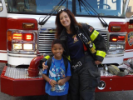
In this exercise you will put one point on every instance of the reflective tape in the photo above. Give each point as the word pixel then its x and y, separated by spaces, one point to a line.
pixel 94 35
pixel 93 49
pixel 68 57
pixel 94 46
pixel 47 57
pixel 101 53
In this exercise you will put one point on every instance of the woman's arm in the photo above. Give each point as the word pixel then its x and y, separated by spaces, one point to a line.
pixel 44 66
pixel 98 41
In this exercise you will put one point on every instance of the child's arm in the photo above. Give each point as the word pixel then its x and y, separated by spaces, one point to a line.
pixel 68 75
pixel 44 75
pixel 50 81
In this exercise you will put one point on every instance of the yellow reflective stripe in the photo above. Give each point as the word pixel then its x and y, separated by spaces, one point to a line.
pixel 93 49
pixel 68 57
pixel 94 46
pixel 94 35
pixel 47 57
pixel 101 53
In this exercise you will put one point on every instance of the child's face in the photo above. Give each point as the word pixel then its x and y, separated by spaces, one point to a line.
pixel 57 50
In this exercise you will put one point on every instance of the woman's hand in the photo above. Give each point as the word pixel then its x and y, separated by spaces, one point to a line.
pixel 44 66
pixel 97 62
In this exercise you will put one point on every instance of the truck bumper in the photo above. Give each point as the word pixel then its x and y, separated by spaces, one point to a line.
pixel 36 86
pixel 113 59
pixel 21 86
pixel 116 83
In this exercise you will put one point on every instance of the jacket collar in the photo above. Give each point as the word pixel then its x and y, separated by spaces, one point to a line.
pixel 63 35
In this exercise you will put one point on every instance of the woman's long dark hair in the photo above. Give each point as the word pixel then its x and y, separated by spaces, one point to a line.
pixel 59 26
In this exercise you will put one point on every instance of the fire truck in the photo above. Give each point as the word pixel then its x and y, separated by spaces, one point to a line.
pixel 27 29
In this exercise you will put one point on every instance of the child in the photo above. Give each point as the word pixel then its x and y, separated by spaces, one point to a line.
pixel 57 81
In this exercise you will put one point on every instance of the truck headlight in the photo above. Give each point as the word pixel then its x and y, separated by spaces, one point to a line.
pixel 116 47
pixel 112 47
pixel 17 46
pixel 120 47
pixel 28 46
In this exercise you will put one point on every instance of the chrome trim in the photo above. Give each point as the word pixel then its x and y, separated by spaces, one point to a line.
pixel 115 55
pixel 19 73
pixel 129 50
pixel 21 55
pixel 3 51
pixel 45 38
pixel 119 33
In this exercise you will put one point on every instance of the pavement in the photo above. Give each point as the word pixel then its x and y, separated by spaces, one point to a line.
pixel 118 95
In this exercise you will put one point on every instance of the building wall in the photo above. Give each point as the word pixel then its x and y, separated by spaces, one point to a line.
pixel 129 14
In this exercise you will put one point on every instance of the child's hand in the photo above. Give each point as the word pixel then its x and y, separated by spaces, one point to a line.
pixel 44 66
pixel 52 83
pixel 61 82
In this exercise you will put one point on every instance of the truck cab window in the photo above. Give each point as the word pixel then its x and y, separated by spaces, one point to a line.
pixel 34 6
pixel 112 8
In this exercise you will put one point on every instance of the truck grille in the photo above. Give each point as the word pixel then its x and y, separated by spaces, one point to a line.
pixel 46 36
pixel 104 33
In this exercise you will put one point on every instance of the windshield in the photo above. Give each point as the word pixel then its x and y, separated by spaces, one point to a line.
pixel 102 7
pixel 35 6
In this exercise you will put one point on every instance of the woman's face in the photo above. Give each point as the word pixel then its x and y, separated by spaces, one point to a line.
pixel 65 20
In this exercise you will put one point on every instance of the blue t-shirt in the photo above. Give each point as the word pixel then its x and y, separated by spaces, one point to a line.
pixel 57 71
pixel 75 46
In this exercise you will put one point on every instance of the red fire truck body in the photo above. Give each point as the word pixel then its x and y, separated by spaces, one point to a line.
pixel 23 42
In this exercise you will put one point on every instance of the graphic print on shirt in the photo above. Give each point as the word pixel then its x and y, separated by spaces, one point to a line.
pixel 75 39
pixel 57 74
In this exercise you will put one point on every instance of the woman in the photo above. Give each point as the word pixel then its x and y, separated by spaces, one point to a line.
pixel 76 38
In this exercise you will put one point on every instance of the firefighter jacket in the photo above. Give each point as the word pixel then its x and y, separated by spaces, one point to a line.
pixel 92 35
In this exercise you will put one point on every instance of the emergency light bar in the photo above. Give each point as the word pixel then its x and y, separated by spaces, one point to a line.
pixel 21 41
pixel 25 36
pixel 17 36
pixel 28 37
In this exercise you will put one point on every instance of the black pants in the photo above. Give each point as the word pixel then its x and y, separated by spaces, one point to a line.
pixel 64 97
pixel 84 80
